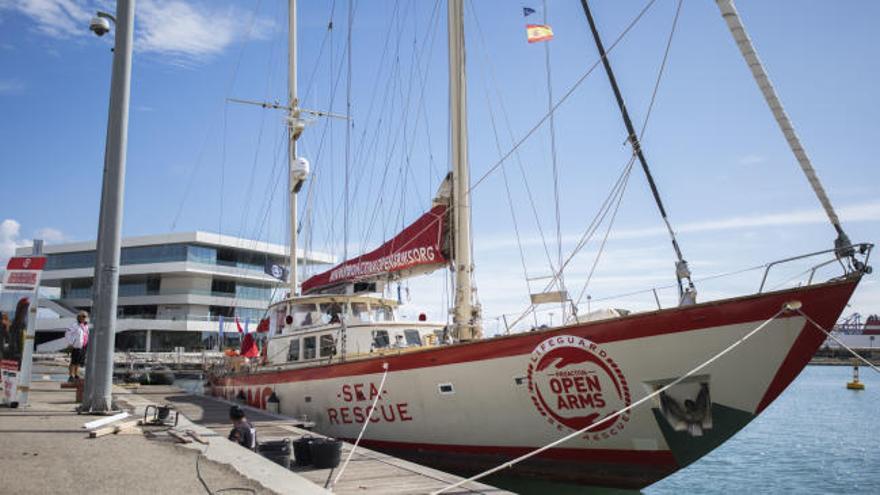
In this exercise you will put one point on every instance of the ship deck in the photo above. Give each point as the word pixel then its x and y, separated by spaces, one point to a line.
pixel 368 472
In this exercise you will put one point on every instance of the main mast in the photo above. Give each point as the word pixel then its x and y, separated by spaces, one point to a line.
pixel 466 317
pixel 298 168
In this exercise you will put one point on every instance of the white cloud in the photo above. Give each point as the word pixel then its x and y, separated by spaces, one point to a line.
pixel 58 18
pixel 185 32
pixel 50 235
pixel 752 159
pixel 11 86
pixel 869 211
pixel 9 239
pixel 188 33
pixel 862 212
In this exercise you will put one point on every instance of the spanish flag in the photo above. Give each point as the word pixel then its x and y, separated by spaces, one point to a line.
pixel 539 32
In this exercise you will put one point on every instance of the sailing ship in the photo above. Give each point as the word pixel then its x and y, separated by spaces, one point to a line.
pixel 446 397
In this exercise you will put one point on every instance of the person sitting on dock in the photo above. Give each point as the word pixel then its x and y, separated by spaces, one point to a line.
pixel 77 336
pixel 243 433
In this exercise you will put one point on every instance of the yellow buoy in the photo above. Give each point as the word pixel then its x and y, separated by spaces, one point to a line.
pixel 855 384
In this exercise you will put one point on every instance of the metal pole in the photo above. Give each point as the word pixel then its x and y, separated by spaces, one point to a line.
pixel 98 398
pixel 293 118
pixel 465 318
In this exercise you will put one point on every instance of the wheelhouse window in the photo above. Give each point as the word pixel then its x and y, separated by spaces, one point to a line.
pixel 380 339
pixel 331 312
pixel 328 345
pixel 309 347
pixel 360 311
pixel 383 313
pixel 293 351
pixel 303 315
pixel 412 337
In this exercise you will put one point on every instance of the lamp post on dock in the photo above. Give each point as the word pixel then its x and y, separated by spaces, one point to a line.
pixel 97 397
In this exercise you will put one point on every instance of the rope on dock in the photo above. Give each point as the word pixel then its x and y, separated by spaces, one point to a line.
pixel 789 306
pixel 363 428
pixel 826 332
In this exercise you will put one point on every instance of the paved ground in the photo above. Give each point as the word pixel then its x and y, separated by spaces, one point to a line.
pixel 43 449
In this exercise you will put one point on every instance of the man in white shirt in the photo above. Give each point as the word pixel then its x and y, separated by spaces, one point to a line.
pixel 77 336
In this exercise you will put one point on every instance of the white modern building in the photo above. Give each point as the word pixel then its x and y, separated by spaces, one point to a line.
pixel 173 288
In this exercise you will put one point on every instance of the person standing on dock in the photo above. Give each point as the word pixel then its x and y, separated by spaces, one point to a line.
pixel 243 433
pixel 77 336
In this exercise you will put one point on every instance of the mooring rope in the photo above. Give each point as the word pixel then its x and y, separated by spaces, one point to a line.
pixel 789 306
pixel 363 428
pixel 830 335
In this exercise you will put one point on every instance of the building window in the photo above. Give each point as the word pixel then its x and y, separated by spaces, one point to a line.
pixel 144 312
pixel 142 287
pixel 201 254
pixel 253 292
pixel 77 289
pixel 328 345
pixel 224 311
pixel 293 351
pixel 65 261
pixel 309 348
pixel 153 254
pixel 223 288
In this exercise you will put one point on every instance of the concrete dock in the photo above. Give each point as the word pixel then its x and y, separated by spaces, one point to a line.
pixel 369 472
pixel 44 448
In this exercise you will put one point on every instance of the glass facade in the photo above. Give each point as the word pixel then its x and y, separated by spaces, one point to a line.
pixel 244 263
pixel 166 253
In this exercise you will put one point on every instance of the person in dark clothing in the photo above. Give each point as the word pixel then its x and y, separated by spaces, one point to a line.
pixel 5 334
pixel 243 433
pixel 17 331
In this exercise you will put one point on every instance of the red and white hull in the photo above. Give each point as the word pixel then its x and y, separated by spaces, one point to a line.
pixel 469 407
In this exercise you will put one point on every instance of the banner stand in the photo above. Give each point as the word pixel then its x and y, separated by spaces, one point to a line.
pixel 22 276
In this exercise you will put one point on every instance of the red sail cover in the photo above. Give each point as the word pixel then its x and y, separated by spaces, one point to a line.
pixel 419 244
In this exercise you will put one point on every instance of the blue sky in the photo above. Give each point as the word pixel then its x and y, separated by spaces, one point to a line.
pixel 731 186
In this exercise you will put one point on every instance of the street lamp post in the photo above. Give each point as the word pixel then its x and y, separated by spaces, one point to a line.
pixel 97 396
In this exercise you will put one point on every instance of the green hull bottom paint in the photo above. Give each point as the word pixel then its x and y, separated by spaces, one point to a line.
pixel 726 421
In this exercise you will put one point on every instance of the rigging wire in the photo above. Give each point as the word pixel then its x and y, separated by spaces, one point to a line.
pixel 516 153
pixel 604 241
pixel 348 125
pixel 660 73
pixel 598 219
pixel 270 70
pixel 222 168
pixel 392 87
pixel 229 87
pixel 554 165
pixel 565 96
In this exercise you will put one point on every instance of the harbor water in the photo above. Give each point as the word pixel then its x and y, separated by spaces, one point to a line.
pixel 817 437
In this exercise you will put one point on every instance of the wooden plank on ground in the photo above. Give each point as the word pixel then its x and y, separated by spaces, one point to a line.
pixel 180 437
pixel 112 429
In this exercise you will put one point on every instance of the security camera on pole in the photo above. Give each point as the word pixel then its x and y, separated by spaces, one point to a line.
pixel 97 397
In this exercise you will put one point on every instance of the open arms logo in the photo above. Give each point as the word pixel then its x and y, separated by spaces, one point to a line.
pixel 574 384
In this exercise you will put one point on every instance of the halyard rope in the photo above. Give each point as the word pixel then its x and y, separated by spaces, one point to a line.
pixel 830 335
pixel 363 428
pixel 789 306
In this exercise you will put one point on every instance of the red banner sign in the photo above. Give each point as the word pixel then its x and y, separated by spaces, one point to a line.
pixel 26 263
pixel 419 244
pixel 23 273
